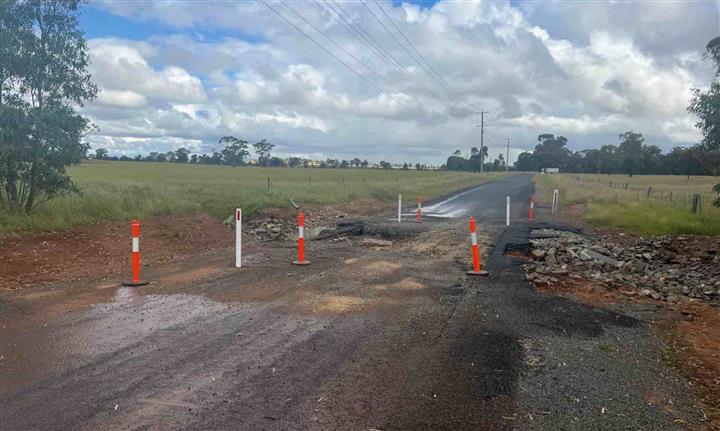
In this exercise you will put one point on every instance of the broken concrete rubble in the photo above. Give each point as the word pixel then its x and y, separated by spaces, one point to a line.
pixel 663 268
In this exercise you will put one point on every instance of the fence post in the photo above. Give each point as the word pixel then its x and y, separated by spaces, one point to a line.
pixel 649 192
pixel 696 204
pixel 556 196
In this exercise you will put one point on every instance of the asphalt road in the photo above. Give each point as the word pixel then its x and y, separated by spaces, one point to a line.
pixel 487 203
pixel 364 338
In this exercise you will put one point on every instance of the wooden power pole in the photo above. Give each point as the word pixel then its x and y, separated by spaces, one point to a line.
pixel 507 157
pixel 482 135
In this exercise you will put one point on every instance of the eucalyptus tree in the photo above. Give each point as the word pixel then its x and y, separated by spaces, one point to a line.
pixel 44 82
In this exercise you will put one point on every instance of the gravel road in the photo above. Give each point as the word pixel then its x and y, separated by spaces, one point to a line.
pixel 388 337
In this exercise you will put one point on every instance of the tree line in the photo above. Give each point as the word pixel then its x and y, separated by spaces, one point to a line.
pixel 237 152
pixel 456 162
pixel 631 156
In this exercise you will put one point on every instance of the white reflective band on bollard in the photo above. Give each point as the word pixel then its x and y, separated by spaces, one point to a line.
pixel 238 238
pixel 473 237
pixel 301 231
pixel 399 208
pixel 135 244
pixel 507 211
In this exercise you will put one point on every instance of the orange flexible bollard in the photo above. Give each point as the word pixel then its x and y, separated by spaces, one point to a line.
pixel 135 257
pixel 477 269
pixel 531 215
pixel 301 241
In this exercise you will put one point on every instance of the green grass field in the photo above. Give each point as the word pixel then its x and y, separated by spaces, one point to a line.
pixel 605 201
pixel 121 191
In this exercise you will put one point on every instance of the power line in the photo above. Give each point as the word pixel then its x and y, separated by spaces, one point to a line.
pixel 378 49
pixel 358 74
pixel 332 41
pixel 404 49
pixel 435 75
pixel 342 17
pixel 359 33
pixel 418 62
pixel 334 56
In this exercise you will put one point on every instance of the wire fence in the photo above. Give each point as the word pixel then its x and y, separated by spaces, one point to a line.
pixel 680 196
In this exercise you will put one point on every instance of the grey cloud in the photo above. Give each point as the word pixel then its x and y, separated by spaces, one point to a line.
pixel 510 107
pixel 660 28
pixel 495 55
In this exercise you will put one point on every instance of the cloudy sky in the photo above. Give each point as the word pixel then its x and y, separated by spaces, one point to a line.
pixel 390 80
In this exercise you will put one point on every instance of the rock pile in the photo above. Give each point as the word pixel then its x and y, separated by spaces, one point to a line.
pixel 266 229
pixel 281 224
pixel 663 268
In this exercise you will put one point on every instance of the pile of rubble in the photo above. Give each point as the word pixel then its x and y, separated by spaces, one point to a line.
pixel 266 229
pixel 663 268
pixel 281 224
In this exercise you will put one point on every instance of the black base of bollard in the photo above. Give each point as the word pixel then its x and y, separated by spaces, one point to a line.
pixel 478 273
pixel 135 283
pixel 304 262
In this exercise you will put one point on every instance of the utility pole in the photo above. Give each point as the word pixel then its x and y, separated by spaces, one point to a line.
pixel 482 135
pixel 507 157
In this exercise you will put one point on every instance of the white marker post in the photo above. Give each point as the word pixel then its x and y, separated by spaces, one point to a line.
pixel 399 208
pixel 507 211
pixel 555 201
pixel 238 238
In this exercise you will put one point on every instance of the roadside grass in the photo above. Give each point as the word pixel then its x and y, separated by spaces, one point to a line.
pixel 605 201
pixel 119 191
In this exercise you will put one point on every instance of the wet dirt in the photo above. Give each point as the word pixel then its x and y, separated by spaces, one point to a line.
pixel 101 251
pixel 205 345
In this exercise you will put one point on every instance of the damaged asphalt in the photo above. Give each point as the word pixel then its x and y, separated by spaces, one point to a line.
pixel 386 338
pixel 581 367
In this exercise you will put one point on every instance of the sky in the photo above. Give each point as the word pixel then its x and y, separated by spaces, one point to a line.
pixel 393 81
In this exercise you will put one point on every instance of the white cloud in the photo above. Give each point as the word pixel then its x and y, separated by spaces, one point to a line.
pixel 121 98
pixel 118 66
pixel 577 69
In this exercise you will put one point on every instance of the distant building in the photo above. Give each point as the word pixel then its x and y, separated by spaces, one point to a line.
pixel 551 170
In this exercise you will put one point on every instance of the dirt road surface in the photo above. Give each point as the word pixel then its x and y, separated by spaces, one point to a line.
pixel 385 337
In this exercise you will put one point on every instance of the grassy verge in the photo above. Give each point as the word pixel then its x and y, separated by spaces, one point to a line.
pixel 116 191
pixel 646 204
